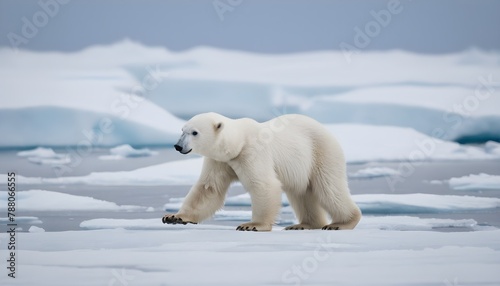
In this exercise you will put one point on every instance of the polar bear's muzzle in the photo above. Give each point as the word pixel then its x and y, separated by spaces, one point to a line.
pixel 181 145
pixel 180 149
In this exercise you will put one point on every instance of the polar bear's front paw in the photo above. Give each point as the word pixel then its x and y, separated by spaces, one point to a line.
pixel 253 226
pixel 333 226
pixel 175 219
pixel 300 226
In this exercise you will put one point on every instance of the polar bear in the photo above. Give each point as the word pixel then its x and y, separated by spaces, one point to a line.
pixel 291 153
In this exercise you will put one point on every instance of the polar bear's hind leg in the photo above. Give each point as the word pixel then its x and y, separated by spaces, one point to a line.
pixel 307 210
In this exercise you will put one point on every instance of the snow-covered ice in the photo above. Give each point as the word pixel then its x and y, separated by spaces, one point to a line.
pixel 42 200
pixel 184 172
pixel 403 223
pixel 215 255
pixel 479 182
pixel 422 203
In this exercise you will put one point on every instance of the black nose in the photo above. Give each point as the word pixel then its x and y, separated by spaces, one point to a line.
pixel 178 148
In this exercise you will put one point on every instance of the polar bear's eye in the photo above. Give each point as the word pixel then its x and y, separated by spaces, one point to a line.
pixel 195 133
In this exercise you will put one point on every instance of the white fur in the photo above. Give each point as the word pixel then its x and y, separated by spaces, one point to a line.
pixel 291 153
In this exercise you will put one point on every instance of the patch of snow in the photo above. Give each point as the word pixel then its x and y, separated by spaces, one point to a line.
pixel 374 172
pixel 39 152
pixel 35 229
pixel 473 182
pixel 435 182
pixel 127 151
pixel 45 156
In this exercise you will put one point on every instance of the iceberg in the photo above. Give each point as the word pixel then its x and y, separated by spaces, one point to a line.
pixel 448 113
pixel 128 93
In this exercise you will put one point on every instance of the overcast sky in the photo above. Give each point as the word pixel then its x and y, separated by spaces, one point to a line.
pixel 270 26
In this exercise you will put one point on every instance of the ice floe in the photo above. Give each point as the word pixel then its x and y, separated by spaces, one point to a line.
pixel 473 182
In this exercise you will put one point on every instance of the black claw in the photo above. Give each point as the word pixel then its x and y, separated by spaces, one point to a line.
pixel 301 228
pixel 254 229
pixel 337 228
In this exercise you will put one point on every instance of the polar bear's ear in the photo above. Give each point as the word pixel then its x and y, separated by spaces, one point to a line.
pixel 218 126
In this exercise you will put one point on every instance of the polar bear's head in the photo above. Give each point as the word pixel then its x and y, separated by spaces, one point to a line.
pixel 211 135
